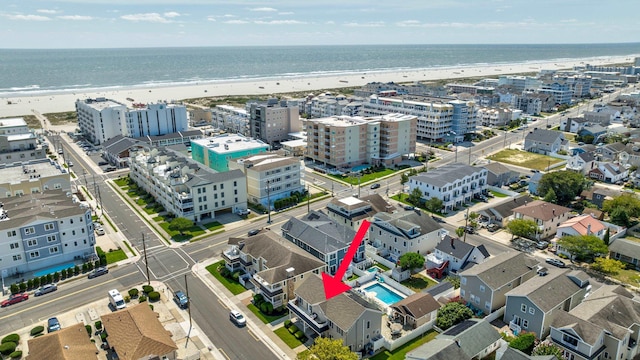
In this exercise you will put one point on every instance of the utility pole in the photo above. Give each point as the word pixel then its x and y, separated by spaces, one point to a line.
pixel 309 198
pixel 84 175
pixel 268 203
pixel 186 289
pixel 456 154
pixel 359 177
pixel 146 262
pixel 469 156
pixel 466 223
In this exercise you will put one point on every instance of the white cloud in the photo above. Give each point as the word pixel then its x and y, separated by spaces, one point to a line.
pixel 75 17
pixel 211 18
pixel 236 22
pixel 264 9
pixel 28 17
pixel 228 15
pixel 330 22
pixel 286 13
pixel 279 22
pixel 48 11
pixel 171 14
pixel 367 24
pixel 148 17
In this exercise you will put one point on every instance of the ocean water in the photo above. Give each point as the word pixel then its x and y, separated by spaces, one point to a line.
pixel 40 71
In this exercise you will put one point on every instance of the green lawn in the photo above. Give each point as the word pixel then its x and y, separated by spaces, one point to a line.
pixel 115 256
pixel 212 226
pixel 188 234
pixel 630 277
pixel 121 182
pixel 381 266
pixel 524 159
pixel 150 209
pixel 233 286
pixel 365 177
pixel 401 352
pixel 264 317
pixel 498 194
pixel 288 338
pixel 418 282
pixel 159 218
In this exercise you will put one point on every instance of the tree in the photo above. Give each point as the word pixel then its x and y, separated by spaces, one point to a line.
pixel 608 266
pixel 566 185
pixel 547 349
pixel 524 342
pixel 460 231
pixel 411 260
pixel 607 237
pixel 583 247
pixel 522 227
pixel 415 196
pixel 180 224
pixel 404 178
pixel 454 280
pixel 434 205
pixel 327 349
pixel 628 201
pixel 451 314
pixel 551 196
pixel 620 216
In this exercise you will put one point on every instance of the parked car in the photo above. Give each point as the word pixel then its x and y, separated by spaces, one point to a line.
pixel 53 324
pixel 99 231
pixel 15 298
pixel 181 299
pixel 438 219
pixel 98 272
pixel 375 186
pixel 556 262
pixel 253 232
pixel 237 318
pixel 468 229
pixel 110 169
pixel 493 227
pixel 102 163
pixel 542 244
pixel 46 289
pixel 408 207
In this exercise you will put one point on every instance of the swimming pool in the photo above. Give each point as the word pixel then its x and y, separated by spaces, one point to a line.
pixel 383 294
pixel 360 168
pixel 54 269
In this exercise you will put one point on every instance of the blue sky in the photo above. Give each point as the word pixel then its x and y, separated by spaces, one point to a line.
pixel 151 23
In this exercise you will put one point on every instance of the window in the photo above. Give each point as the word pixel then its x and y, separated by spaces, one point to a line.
pixel 523 308
pixel 532 310
pixel 17 257
pixel 235 183
pixel 29 231
pixel 525 323
pixel 221 186
pixel 462 292
pixel 570 340
pixel 487 305
pixel 71 221
pixel 51 238
pixel 53 250
pixel 482 288
pixel 463 280
pixel 32 242
pixel 34 254
pixel 11 233
pixel 48 227
pixel 14 246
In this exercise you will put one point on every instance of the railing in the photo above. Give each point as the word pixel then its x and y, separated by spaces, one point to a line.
pixel 318 327
pixel 515 327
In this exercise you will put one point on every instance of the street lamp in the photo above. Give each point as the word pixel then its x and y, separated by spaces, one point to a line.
pixel 268 203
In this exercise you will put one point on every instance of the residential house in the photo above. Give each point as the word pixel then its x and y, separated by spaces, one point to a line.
pixel 534 181
pixel 610 152
pixel 394 234
pixel 116 150
pixel 68 343
pixel 274 266
pixel 602 115
pixel 510 353
pixel 630 155
pixel 627 251
pixel 136 332
pixel 573 125
pixel 485 285
pixel 323 238
pixel 581 162
pixel 532 305
pixel 454 184
pixel 453 255
pixel 499 175
pixel 595 130
pixel 346 317
pixel 609 173
pixel 19 143
pixel 598 194
pixel 498 214
pixel 32 177
pixel 351 211
pixel 546 215
pixel 604 326
pixel 470 339
pixel 415 310
pixel 543 141
pixel 582 225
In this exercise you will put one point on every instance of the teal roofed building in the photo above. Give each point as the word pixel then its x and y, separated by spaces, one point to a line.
pixel 215 152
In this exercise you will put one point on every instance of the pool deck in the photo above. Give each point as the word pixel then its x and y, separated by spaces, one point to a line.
pixel 363 287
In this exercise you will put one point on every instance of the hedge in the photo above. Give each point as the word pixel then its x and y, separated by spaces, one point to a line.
pixel 98 325
pixel 88 327
pixel 147 289
pixel 7 348
pixel 142 299
pixel 299 334
pixel 287 323
pixel 37 330
pixel 11 338
pixel 154 296
pixel 16 354
pixel 133 292
pixel 293 329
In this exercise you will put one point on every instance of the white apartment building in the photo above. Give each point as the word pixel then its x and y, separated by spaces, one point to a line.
pixel 327 104
pixel 185 187
pixel 272 121
pixel 32 177
pixel 269 176
pixel 101 119
pixel 520 83
pixel 454 184
pixel 438 119
pixel 230 119
pixel 43 230
pixel 17 142
pixel 344 142
pixel 495 117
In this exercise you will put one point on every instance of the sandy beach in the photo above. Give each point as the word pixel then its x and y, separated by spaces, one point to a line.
pixel 59 102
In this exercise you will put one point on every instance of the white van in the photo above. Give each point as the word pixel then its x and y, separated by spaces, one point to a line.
pixel 116 299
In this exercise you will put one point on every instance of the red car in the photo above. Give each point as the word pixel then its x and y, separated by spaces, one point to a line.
pixel 15 298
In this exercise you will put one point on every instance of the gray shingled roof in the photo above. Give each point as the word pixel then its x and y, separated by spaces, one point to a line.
pixel 319 231
pixel 459 249
pixel 446 174
pixel 496 168
pixel 118 144
pixel 588 331
pixel 417 305
pixel 629 248
pixel 586 156
pixel 505 208
pixel 474 338
pixel 546 292
pixel 438 349
pixel 514 354
pixel 543 135
pixel 45 206
pixel 401 222
pixel 501 269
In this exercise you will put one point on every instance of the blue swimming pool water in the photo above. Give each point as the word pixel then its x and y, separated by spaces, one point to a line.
pixel 385 295
pixel 53 269
pixel 372 269
pixel 360 167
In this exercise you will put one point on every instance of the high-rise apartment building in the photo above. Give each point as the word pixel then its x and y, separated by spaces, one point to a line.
pixel 18 143
pixel 215 152
pixel 155 119
pixel 272 121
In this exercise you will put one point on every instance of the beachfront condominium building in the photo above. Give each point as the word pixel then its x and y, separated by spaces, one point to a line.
pixel 269 176
pixel 495 116
pixel 215 152
pixel 32 177
pixel 520 83
pixel 438 119
pixel 18 143
pixel 272 121
pixel 454 184
pixel 328 104
pixel 42 230
pixel 184 187
pixel 230 119
pixel 101 119
pixel 344 142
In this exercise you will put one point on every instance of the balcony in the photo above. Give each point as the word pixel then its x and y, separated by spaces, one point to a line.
pixel 231 255
pixel 515 327
pixel 309 319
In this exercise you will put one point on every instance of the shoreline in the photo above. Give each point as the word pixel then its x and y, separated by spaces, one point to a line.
pixel 64 100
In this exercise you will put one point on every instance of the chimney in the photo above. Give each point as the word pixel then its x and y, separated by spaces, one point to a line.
pixel 589 229
pixel 553 211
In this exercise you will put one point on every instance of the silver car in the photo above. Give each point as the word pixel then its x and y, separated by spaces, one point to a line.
pixel 46 289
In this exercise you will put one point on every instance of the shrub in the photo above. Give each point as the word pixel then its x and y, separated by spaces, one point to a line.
pixel 16 354
pixel 154 296
pixel 88 327
pixel 258 299
pixel 23 286
pixel 147 289
pixel 142 299
pixel 127 298
pixel 30 284
pixel 11 338
pixel 133 292
pixel 98 325
pixel 103 335
pixel 76 270
pixel 151 306
pixel 224 272
pixel 293 329
pixel 56 276
pixel 299 334
pixel 287 323
pixel 36 330
pixel 36 282
pixel 269 308
pixel 85 267
pixel 263 307
pixel 524 342
pixel 14 288
pixel 7 348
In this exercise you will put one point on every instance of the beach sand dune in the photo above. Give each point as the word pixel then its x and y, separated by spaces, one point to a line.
pixel 59 102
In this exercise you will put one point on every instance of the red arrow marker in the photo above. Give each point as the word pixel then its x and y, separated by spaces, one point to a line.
pixel 333 285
